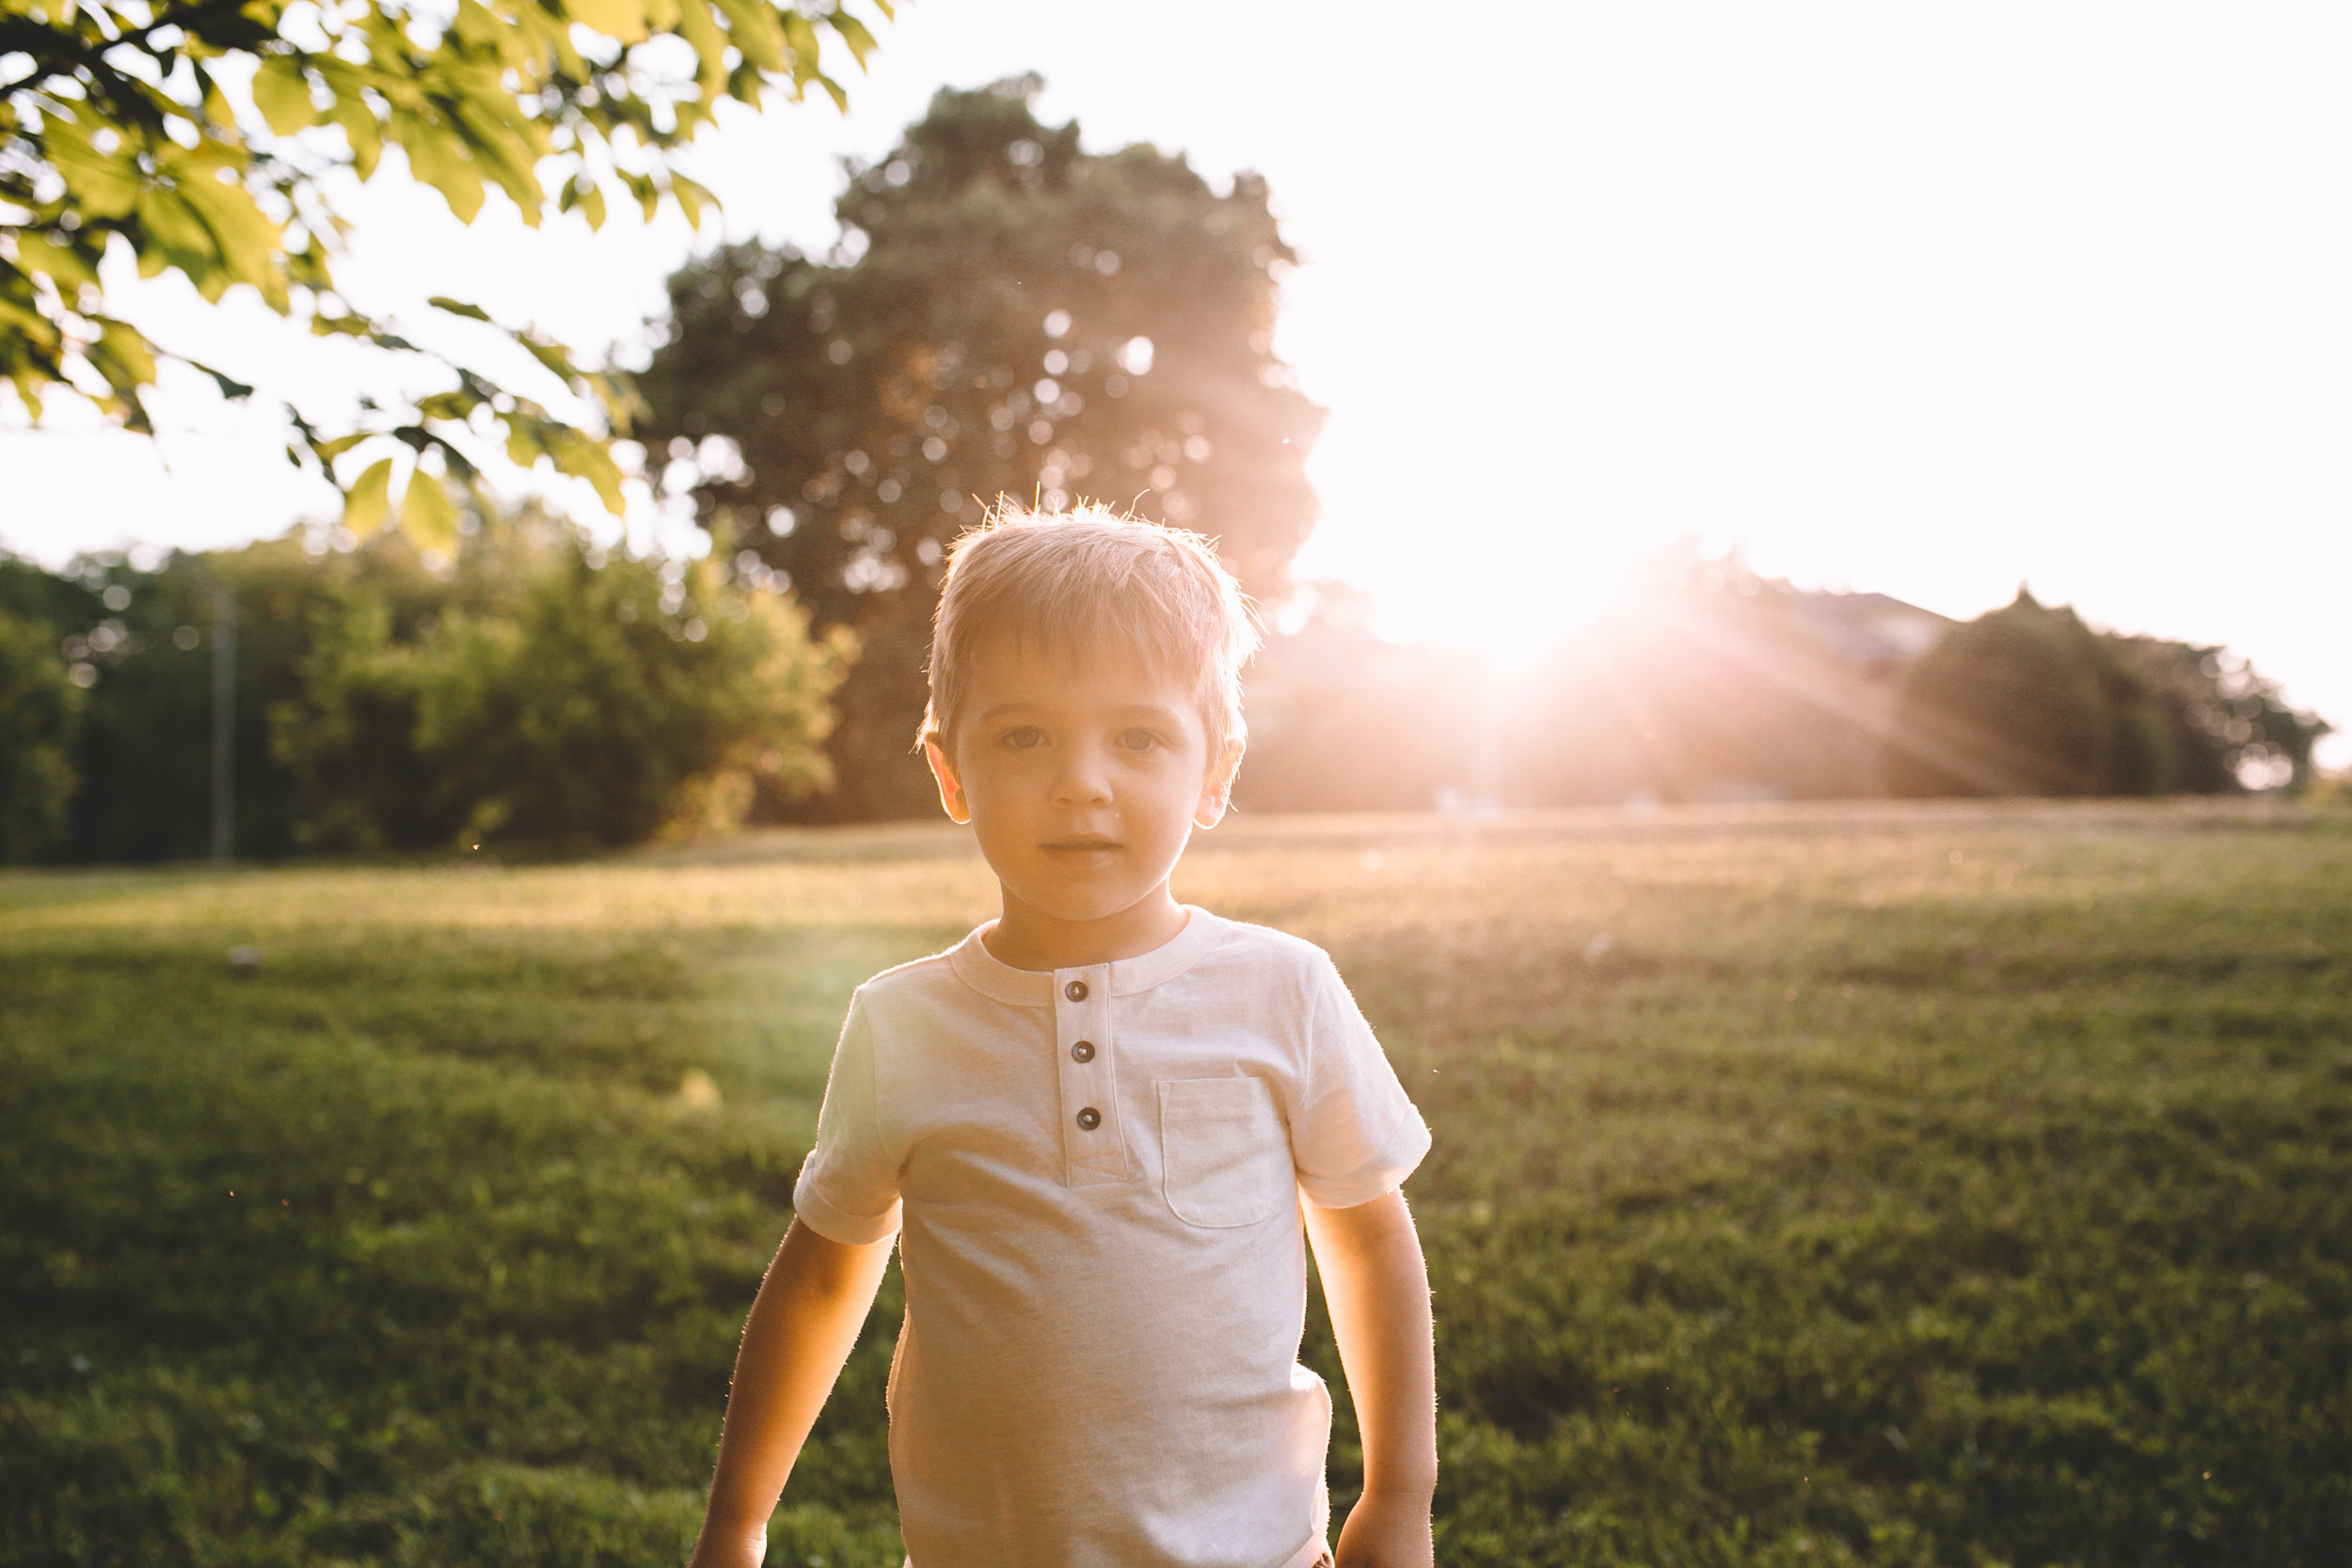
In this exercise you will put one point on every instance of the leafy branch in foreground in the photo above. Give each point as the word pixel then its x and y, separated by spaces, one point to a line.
pixel 219 139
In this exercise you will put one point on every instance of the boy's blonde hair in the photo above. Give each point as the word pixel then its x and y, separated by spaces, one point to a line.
pixel 1087 579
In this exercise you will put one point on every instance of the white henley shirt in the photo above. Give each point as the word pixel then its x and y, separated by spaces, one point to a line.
pixel 1097 1173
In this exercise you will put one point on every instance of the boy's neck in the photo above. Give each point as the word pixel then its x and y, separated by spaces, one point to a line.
pixel 1026 937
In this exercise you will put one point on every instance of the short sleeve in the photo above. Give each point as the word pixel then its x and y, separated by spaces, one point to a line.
pixel 1355 1133
pixel 848 1186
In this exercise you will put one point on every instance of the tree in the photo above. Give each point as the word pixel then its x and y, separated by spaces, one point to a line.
pixel 2227 726
pixel 214 139
pixel 2026 701
pixel 1009 314
pixel 611 699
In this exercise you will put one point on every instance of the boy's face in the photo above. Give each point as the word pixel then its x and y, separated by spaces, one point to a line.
pixel 1081 777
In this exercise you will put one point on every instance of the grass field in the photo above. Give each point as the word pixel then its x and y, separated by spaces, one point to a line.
pixel 1894 1185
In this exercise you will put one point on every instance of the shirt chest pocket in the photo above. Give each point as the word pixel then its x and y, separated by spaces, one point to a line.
pixel 1225 1155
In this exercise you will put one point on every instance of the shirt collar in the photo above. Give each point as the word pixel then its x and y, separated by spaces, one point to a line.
pixel 976 967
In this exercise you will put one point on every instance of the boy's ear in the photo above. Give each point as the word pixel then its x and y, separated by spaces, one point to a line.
pixel 950 788
pixel 1217 791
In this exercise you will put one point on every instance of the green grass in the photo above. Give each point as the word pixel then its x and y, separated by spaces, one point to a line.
pixel 1893 1185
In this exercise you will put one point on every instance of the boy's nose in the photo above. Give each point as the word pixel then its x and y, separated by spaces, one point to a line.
pixel 1082 781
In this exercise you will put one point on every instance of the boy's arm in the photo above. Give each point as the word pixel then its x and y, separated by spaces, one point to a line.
pixel 801 1326
pixel 1378 1290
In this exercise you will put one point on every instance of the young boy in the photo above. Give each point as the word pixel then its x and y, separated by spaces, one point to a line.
pixel 1093 1126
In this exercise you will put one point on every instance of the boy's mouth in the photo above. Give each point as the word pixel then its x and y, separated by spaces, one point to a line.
pixel 1081 845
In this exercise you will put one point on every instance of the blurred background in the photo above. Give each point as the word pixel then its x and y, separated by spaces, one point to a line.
pixel 1695 405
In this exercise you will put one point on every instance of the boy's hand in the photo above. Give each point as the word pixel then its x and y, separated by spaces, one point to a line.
pixel 715 1548
pixel 1385 1530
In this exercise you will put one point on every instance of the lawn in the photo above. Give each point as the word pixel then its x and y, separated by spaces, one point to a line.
pixel 1939 1185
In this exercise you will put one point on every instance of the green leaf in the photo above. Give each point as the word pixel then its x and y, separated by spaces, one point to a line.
pixel 366 503
pixel 803 39
pixel 696 26
pixel 281 91
pixel 128 348
pixel 28 325
pixel 755 29
pixel 427 518
pixel 852 33
pixel 504 147
pixel 458 307
pixel 525 444
pixel 624 20
pixel 478 27
pixel 107 186
pixel 28 383
pixel 177 232
pixel 246 240
pixel 231 387
pixel 439 160
pixel 446 405
pixel 693 199
pixel 357 120
pixel 553 355
pixel 62 265
pixel 641 186
pixel 218 114
pixel 584 457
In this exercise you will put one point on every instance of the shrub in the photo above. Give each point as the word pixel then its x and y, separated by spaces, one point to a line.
pixel 604 702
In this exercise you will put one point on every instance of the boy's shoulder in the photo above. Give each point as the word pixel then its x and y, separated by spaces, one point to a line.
pixel 1269 975
pixel 1265 948
pixel 917 977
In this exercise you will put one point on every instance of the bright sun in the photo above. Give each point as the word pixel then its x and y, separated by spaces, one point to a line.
pixel 1508 577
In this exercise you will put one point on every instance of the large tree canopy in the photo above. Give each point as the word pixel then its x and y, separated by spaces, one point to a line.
pixel 215 138
pixel 1009 315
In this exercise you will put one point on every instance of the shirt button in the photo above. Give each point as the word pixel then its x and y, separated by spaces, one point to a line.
pixel 1088 1119
pixel 1075 991
pixel 1081 1051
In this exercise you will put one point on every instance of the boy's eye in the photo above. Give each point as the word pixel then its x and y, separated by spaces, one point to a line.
pixel 1140 740
pixel 1025 738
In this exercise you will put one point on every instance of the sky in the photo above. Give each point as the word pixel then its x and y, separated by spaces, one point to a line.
pixel 1931 301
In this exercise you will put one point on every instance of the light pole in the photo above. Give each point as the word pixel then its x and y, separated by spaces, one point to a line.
pixel 224 723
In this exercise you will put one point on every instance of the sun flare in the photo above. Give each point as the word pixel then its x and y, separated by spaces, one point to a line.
pixel 1518 579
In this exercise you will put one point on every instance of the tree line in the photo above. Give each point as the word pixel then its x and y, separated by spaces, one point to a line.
pixel 1007 314
pixel 534 690
pixel 539 694
pixel 1708 683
